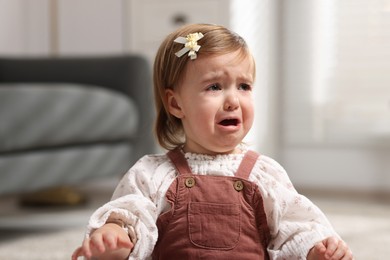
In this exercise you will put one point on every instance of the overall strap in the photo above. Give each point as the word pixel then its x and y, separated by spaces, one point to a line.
pixel 247 164
pixel 180 162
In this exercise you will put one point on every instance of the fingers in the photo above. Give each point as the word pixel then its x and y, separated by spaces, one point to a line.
pixel 110 241
pixel 90 246
pixel 342 252
pixel 320 248
pixel 85 249
pixel 331 245
pixel 98 244
pixel 77 253
pixel 125 244
pixel 116 242
pixel 348 255
pixel 337 249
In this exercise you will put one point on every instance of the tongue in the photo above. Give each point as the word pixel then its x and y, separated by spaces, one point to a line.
pixel 228 122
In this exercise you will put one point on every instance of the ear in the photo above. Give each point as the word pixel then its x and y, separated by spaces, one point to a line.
pixel 173 104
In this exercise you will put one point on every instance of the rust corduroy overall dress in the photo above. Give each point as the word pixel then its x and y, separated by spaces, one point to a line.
pixel 213 217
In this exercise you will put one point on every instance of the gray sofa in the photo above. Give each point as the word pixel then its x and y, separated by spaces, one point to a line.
pixel 68 120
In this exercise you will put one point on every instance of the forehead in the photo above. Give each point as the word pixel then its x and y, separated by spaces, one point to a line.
pixel 235 63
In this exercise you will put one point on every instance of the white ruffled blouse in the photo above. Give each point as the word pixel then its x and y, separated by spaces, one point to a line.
pixel 295 223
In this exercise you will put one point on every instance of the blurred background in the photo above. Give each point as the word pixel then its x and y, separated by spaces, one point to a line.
pixel 322 98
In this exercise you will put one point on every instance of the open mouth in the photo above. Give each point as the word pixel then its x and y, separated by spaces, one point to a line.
pixel 229 122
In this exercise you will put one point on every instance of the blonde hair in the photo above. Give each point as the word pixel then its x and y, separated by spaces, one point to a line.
pixel 168 70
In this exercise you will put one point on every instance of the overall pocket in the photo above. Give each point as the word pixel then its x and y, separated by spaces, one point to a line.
pixel 214 225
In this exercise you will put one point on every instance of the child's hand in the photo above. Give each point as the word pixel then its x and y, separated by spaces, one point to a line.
pixel 331 248
pixel 108 242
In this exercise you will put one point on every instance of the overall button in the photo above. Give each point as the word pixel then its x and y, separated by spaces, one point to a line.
pixel 238 185
pixel 190 182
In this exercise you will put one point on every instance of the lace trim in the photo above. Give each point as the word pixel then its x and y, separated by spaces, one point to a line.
pixel 218 157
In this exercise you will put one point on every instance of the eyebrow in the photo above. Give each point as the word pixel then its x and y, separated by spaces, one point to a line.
pixel 218 76
pixel 210 77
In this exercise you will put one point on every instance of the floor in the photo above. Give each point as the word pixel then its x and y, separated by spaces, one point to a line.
pixel 27 233
pixel 363 223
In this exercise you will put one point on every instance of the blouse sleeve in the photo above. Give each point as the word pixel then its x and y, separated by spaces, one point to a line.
pixel 135 202
pixel 295 223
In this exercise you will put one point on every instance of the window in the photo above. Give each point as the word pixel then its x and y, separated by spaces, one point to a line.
pixel 336 71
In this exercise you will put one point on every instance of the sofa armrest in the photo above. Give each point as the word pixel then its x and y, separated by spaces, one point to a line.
pixel 127 74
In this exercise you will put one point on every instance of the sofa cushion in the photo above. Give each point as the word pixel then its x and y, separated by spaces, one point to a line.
pixel 29 171
pixel 46 115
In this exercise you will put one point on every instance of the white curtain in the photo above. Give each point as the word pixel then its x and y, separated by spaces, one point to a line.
pixel 336 71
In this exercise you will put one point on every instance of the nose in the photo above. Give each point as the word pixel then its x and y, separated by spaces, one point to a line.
pixel 231 101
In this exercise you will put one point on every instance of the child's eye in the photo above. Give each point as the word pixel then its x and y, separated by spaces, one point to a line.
pixel 245 87
pixel 214 87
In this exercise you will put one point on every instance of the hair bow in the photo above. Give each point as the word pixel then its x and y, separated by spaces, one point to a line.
pixel 190 44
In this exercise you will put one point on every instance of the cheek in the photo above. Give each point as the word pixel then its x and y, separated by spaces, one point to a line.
pixel 249 112
pixel 200 107
pixel 199 120
pixel 201 117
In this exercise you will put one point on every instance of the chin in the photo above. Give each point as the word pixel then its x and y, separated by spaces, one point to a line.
pixel 227 150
